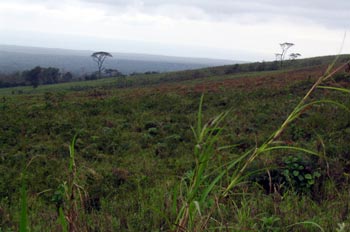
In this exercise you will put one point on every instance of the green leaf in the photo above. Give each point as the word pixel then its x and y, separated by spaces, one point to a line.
pixel 316 174
pixel 311 182
pixel 296 173
pixel 300 177
pixel 308 176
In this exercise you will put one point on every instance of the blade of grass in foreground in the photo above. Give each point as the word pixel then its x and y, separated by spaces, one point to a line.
pixel 335 88
pixel 308 223
pixel 63 221
pixel 23 220
pixel 72 152
pixel 206 135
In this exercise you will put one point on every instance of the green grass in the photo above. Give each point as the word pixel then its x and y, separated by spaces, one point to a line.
pixel 143 168
pixel 204 149
pixel 190 76
pixel 133 81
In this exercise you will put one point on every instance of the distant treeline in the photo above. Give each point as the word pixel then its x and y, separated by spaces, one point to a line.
pixel 36 76
pixel 43 76
pixel 46 76
pixel 213 72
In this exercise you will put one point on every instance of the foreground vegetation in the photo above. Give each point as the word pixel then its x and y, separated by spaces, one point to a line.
pixel 136 165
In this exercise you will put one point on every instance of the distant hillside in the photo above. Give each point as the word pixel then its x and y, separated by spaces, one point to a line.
pixel 19 58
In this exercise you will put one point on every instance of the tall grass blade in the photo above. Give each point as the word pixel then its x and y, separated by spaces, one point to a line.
pixel 232 164
pixel 174 200
pixel 72 153
pixel 307 223
pixel 340 105
pixel 63 220
pixel 23 219
pixel 292 148
pixel 335 88
pixel 199 116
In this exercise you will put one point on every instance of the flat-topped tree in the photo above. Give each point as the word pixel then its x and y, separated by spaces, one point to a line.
pixel 99 58
pixel 285 46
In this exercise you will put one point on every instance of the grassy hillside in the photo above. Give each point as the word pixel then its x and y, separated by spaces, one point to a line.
pixel 311 66
pixel 138 166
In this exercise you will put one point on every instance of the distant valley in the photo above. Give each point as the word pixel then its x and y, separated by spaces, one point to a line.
pixel 20 58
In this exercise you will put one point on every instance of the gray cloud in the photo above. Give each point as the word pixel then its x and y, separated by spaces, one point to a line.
pixel 330 14
pixel 121 19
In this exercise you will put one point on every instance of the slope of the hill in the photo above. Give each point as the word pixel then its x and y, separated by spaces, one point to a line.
pixel 134 156
pixel 220 75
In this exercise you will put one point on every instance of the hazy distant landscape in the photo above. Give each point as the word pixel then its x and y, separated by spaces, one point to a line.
pixel 20 58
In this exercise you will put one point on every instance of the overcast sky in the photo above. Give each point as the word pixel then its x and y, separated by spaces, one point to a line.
pixel 228 29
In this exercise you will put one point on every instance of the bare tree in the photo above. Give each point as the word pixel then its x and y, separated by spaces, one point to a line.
pixel 99 58
pixel 278 56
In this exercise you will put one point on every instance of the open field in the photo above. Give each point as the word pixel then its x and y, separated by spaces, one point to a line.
pixel 136 158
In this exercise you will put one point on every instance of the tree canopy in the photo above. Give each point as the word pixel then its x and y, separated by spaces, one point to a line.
pixel 99 58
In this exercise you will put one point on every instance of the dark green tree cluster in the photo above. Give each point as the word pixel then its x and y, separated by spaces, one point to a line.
pixel 35 77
